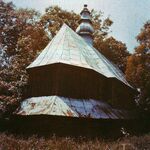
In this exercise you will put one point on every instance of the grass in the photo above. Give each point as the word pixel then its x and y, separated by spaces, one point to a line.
pixel 18 142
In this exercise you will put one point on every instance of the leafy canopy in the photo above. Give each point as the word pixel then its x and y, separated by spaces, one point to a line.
pixel 138 67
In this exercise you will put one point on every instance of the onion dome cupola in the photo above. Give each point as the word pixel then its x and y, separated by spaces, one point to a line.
pixel 85 29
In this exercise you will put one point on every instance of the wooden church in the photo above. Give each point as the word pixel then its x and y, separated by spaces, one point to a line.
pixel 71 79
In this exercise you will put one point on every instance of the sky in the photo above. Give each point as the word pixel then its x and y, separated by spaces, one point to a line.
pixel 128 16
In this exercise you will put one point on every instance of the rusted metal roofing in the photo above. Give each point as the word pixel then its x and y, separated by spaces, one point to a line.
pixel 68 47
pixel 61 106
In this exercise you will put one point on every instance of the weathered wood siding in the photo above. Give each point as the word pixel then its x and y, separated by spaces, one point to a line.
pixel 76 82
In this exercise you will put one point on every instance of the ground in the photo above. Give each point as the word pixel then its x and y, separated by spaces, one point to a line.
pixel 18 142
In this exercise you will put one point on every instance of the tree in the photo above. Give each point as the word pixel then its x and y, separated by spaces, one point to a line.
pixel 8 38
pixel 20 47
pixel 138 67
pixel 13 22
pixel 54 18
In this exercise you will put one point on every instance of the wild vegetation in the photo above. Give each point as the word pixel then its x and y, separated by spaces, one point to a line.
pixel 12 142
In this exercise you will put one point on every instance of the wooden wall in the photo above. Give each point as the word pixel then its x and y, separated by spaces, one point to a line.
pixel 76 82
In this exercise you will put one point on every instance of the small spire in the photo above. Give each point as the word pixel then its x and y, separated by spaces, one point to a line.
pixel 85 5
pixel 85 29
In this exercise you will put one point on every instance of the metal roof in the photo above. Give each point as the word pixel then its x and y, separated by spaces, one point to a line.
pixel 68 47
pixel 61 106
pixel 85 9
pixel 85 27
